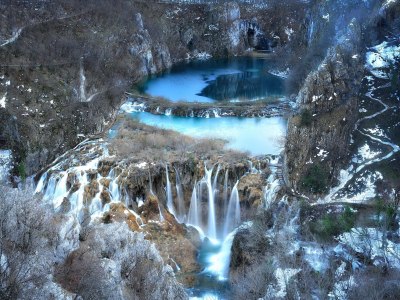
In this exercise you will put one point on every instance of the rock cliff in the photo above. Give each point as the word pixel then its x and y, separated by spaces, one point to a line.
pixel 330 95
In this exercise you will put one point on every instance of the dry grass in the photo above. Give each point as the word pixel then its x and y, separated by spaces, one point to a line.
pixel 138 141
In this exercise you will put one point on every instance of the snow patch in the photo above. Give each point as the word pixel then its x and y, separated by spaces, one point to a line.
pixel 3 101
pixel 5 164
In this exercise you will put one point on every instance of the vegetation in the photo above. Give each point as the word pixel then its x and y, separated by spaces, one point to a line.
pixel 21 171
pixel 315 181
pixel 344 223
pixel 141 142
pixel 306 117
pixel 40 253
pixel 385 214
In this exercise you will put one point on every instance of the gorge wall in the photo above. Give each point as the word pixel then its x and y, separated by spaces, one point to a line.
pixel 329 95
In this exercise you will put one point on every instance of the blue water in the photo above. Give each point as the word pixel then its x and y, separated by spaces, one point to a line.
pixel 257 135
pixel 235 78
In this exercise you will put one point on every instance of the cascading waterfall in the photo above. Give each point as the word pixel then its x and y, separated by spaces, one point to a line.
pixel 270 191
pixel 113 188
pixel 40 186
pixel 127 198
pixel 170 203
pixel 181 203
pixel 214 186
pixel 55 187
pixel 60 190
pixel 95 207
pixel 233 214
pixel 194 210
pixel 225 195
pixel 211 205
pixel 220 262
pixel 310 32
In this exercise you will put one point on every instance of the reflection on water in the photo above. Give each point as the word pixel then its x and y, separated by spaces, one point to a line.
pixel 257 135
pixel 247 86
pixel 214 79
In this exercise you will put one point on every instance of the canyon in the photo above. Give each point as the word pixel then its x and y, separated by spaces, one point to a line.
pixel 134 211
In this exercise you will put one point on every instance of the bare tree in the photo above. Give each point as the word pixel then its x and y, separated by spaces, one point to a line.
pixel 23 267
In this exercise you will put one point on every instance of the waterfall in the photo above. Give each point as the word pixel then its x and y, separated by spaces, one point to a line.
pixel 60 190
pixel 233 213
pixel 214 186
pixel 225 191
pixel 150 184
pixel 77 197
pixel 40 186
pixel 270 191
pixel 253 169
pixel 170 203
pixel 114 190
pixel 194 210
pixel 181 203
pixel 220 262
pixel 310 32
pixel 211 210
pixel 127 198
pixel 216 113
pixel 82 95
pixel 96 207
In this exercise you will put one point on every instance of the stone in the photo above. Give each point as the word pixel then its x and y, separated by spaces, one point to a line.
pixel 119 213
pixel 105 182
pixel 105 197
pixel 188 281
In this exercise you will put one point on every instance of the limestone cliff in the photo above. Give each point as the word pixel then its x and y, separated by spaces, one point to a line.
pixel 330 94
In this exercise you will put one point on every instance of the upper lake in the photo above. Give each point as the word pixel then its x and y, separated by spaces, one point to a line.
pixel 244 78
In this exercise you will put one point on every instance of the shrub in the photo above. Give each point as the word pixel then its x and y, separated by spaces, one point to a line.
pixel 385 214
pixel 344 223
pixel 21 171
pixel 306 117
pixel 315 182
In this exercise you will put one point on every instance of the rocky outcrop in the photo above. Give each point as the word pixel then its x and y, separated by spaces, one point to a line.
pixel 116 263
pixel 168 236
pixel 330 95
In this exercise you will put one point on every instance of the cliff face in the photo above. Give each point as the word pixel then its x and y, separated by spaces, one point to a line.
pixel 64 69
pixel 330 94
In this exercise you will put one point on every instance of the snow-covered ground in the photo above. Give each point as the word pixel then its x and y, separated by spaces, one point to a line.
pixel 380 57
pixel 364 182
pixel 5 164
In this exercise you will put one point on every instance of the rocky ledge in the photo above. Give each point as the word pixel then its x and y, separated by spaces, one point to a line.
pixel 274 107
